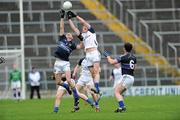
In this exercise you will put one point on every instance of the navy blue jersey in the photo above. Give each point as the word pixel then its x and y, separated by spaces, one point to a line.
pixel 128 62
pixel 64 48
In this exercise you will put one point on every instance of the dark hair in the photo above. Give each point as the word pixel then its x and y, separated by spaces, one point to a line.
pixel 33 68
pixel 128 47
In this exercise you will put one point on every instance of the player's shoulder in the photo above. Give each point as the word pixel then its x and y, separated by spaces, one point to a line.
pixel 133 56
pixel 62 37
pixel 91 29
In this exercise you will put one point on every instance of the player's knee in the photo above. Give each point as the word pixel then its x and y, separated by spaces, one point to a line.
pixel 116 91
pixel 57 97
pixel 96 71
pixel 60 82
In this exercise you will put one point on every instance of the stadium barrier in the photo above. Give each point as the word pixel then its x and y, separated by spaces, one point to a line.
pixel 146 91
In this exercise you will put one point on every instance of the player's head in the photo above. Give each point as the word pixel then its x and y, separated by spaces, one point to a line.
pixel 128 47
pixel 84 29
pixel 69 36
pixel 33 69
pixel 14 66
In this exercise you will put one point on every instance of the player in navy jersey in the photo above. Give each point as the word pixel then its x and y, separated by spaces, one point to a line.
pixel 90 43
pixel 62 65
pixel 128 63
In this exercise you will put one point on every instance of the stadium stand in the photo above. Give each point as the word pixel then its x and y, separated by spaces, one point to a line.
pixel 145 18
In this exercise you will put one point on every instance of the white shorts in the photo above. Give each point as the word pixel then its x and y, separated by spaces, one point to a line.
pixel 116 82
pixel 15 84
pixel 91 84
pixel 127 81
pixel 61 66
pixel 85 80
pixel 93 57
pixel 64 89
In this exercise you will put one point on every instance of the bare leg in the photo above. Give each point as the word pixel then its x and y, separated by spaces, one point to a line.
pixel 59 95
pixel 58 78
pixel 119 89
pixel 81 95
pixel 68 79
pixel 95 71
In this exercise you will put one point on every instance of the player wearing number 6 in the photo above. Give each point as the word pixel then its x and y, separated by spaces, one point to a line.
pixel 128 63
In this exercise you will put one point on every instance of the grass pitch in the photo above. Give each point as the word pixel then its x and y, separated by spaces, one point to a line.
pixel 138 108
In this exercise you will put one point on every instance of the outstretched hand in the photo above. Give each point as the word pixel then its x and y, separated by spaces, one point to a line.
pixel 70 15
pixel 106 53
pixel 62 13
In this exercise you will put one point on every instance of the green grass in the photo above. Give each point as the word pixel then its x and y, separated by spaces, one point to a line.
pixel 138 108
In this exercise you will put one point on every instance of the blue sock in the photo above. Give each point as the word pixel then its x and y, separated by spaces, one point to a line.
pixel 14 93
pixel 65 86
pixel 97 86
pixel 75 94
pixel 56 109
pixel 96 103
pixel 121 104
pixel 89 101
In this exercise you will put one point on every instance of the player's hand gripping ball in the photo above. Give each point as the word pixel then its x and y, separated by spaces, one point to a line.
pixel 67 5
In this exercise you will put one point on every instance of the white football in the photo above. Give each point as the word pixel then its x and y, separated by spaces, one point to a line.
pixel 67 5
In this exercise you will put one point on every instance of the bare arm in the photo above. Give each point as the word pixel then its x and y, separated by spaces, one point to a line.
pixel 80 45
pixel 75 71
pixel 84 22
pixel 74 28
pixel 61 32
pixel 111 61
pixel 135 66
pixel 111 78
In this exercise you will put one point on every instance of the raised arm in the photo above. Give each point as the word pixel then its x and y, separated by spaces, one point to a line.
pixel 75 71
pixel 61 31
pixel 84 22
pixel 111 61
pixel 62 13
pixel 80 45
pixel 111 77
pixel 74 28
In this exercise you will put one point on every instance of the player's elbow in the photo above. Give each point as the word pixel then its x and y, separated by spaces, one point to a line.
pixel 79 47
pixel 110 61
pixel 76 30
pixel 61 27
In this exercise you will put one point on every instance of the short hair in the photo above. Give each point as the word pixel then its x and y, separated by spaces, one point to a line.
pixel 128 47
pixel 33 67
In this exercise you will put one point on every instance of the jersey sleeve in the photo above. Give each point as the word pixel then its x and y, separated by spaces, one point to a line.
pixel 61 37
pixel 119 58
pixel 10 76
pixel 80 61
pixel 20 76
pixel 91 30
